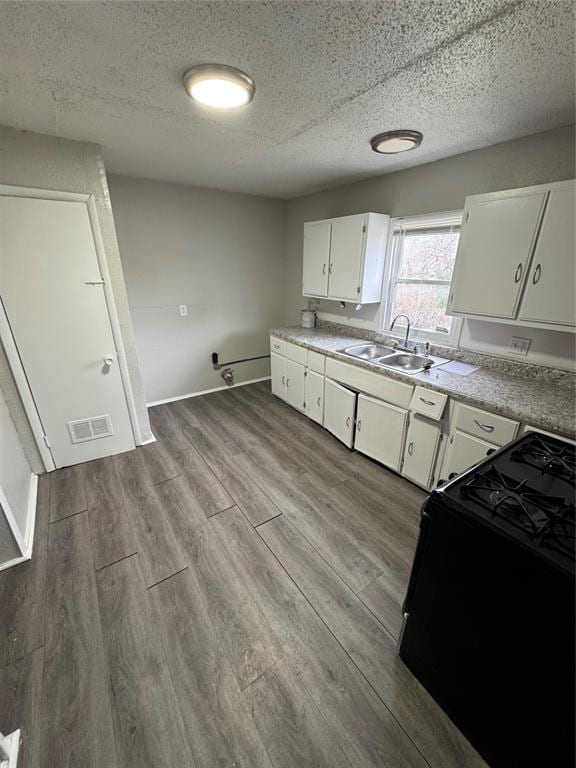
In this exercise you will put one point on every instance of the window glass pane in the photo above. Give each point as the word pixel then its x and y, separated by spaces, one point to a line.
pixel 425 305
pixel 429 256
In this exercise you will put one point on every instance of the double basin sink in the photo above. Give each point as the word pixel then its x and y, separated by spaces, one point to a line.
pixel 406 362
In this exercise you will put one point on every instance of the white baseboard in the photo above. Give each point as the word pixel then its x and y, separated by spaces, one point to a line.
pixel 9 564
pixel 31 518
pixel 150 439
pixel 205 392
pixel 11 745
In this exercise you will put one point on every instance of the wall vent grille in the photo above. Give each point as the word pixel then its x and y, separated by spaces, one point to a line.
pixel 90 429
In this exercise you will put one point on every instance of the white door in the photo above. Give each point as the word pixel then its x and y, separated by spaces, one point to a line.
pixel 494 251
pixel 339 411
pixel 464 451
pixel 380 431
pixel 549 295
pixel 316 258
pixel 295 384
pixel 346 251
pixel 278 375
pixel 61 327
pixel 421 449
pixel 315 396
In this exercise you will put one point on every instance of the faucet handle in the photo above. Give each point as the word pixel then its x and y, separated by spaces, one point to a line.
pixel 426 349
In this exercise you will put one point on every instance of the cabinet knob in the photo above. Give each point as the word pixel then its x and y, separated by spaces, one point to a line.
pixel 518 273
pixel 359 425
pixel 323 269
pixel 411 448
pixel 348 421
pixel 318 401
pixel 537 274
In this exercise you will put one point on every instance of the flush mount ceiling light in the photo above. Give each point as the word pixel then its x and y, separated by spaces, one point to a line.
pixel 391 142
pixel 220 86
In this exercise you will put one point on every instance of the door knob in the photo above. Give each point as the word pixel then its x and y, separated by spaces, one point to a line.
pixel 108 360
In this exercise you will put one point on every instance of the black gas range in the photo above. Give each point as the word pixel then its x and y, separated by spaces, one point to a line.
pixel 489 613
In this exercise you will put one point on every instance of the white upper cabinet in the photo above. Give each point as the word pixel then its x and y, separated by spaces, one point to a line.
pixel 549 295
pixel 316 258
pixel 496 243
pixel 515 259
pixel 344 257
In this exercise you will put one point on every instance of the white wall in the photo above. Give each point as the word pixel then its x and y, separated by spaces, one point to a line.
pixel 221 254
pixel 46 162
pixel 440 186
pixel 15 473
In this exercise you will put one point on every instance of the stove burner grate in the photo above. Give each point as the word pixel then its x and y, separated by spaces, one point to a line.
pixel 558 459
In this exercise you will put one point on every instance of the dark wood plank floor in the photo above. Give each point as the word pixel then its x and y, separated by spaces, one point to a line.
pixel 227 596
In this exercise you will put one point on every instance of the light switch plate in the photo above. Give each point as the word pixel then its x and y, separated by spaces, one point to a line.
pixel 519 345
pixel 183 310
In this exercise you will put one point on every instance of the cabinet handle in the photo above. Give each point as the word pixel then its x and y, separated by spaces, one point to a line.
pixel 427 402
pixel 283 380
pixel 318 401
pixel 287 382
pixel 330 269
pixel 485 427
pixel 348 421
pixel 537 274
pixel 411 448
pixel 518 273
pixel 323 269
pixel 359 425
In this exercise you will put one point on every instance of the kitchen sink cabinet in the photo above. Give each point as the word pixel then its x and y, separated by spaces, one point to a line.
pixel 462 452
pixel 343 258
pixel 339 411
pixel 422 441
pixel 381 431
pixel 515 259
pixel 315 396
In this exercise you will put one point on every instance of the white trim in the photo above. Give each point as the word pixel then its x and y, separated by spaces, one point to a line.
pixel 11 520
pixel 114 320
pixel 149 440
pixel 31 516
pixel 12 563
pixel 205 392
pixel 23 389
pixel 25 542
pixel 10 745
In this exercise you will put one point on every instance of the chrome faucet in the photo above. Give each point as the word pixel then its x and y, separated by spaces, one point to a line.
pixel 406 348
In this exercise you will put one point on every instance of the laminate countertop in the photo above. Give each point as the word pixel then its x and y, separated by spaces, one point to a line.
pixel 546 403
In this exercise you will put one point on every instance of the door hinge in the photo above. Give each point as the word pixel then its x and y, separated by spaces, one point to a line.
pixel 46 441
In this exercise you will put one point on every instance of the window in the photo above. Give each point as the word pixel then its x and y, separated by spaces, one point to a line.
pixel 422 255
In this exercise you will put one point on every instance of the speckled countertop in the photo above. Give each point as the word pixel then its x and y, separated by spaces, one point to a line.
pixel 543 401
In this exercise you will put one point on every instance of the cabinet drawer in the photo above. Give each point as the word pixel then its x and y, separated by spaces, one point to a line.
pixel 376 384
pixel 316 361
pixel 296 353
pixel 428 403
pixel 277 346
pixel 488 426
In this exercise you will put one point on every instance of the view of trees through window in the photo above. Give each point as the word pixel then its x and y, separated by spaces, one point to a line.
pixel 424 270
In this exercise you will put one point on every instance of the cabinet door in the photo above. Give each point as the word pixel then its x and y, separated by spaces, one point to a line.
pixel 295 384
pixel 339 411
pixel 464 451
pixel 315 396
pixel 380 431
pixel 278 375
pixel 549 295
pixel 421 450
pixel 493 254
pixel 316 258
pixel 346 252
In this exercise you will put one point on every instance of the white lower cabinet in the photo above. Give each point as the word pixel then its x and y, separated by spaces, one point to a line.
pixel 380 431
pixel 315 396
pixel 422 443
pixel 463 451
pixel 278 375
pixel 295 384
pixel 339 411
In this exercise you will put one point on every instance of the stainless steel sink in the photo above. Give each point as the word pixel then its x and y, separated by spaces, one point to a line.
pixel 396 360
pixel 368 351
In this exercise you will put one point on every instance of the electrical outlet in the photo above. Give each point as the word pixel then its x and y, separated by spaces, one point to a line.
pixel 183 310
pixel 519 346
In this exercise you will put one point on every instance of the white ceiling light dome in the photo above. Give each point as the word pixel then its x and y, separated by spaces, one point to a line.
pixel 392 142
pixel 219 86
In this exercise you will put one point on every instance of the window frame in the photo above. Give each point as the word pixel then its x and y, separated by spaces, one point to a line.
pixel 437 221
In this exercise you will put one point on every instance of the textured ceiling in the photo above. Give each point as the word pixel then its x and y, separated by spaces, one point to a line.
pixel 329 75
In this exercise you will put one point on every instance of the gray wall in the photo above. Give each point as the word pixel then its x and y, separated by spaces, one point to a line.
pixel 439 186
pixel 46 162
pixel 221 254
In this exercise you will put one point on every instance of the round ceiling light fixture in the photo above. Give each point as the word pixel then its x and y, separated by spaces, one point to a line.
pixel 219 86
pixel 391 142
